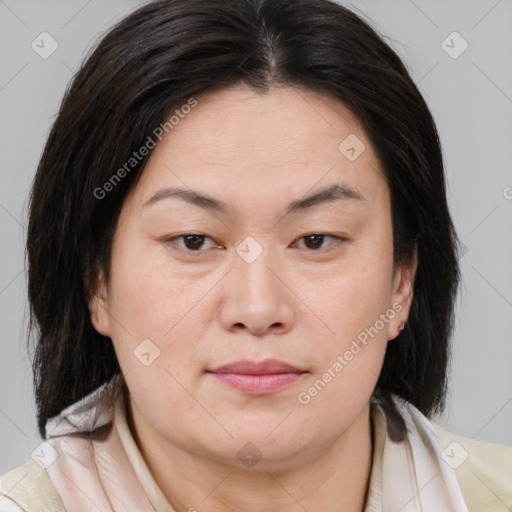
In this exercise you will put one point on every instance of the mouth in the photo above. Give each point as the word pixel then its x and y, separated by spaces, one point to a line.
pixel 258 378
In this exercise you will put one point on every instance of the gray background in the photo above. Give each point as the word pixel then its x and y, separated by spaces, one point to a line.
pixel 470 97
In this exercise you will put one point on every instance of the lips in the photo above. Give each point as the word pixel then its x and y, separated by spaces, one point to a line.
pixel 258 378
pixel 269 366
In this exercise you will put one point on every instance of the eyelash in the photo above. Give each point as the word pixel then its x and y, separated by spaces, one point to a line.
pixel 337 239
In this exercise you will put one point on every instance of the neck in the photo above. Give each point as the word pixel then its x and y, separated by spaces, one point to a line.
pixel 335 478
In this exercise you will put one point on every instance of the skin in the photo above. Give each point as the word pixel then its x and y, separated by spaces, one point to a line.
pixel 298 302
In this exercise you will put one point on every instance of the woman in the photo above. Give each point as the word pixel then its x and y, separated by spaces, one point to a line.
pixel 243 269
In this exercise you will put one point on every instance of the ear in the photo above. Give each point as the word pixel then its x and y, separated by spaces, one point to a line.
pixel 98 303
pixel 402 295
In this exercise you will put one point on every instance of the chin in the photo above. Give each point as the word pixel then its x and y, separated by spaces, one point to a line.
pixel 258 453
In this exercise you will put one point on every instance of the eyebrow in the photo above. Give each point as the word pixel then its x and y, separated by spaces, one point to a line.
pixel 337 192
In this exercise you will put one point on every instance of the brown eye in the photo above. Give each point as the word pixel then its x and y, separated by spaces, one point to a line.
pixel 192 242
pixel 315 241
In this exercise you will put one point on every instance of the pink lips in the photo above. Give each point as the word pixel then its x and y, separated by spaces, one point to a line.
pixel 256 378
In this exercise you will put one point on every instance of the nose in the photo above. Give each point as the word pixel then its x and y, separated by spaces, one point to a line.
pixel 256 297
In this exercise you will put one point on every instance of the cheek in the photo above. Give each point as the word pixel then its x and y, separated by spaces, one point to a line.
pixel 144 294
pixel 351 297
pixel 337 394
pixel 151 301
pixel 350 302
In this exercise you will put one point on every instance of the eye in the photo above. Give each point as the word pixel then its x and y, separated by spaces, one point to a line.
pixel 192 242
pixel 314 241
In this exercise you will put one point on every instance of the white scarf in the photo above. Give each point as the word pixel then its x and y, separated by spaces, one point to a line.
pixel 100 474
pixel 415 477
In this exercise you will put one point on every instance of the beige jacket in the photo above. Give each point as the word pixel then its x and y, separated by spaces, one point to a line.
pixel 459 473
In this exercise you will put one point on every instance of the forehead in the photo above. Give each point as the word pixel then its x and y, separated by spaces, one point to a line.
pixel 287 141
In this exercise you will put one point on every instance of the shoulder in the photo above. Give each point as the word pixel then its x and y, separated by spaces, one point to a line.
pixel 483 470
pixel 28 488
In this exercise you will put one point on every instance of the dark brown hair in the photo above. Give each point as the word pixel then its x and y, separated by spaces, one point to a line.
pixel 150 64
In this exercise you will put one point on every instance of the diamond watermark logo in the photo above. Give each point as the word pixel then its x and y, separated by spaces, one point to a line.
pixel 351 147
pixel 454 455
pixel 454 45
pixel 249 454
pixel 147 352
pixel 249 249
pixel 463 250
pixel 45 454
pixel 44 45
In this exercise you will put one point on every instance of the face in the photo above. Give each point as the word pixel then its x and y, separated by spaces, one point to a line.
pixel 291 288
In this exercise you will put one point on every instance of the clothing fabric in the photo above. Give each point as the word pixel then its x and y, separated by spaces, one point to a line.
pixel 432 470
